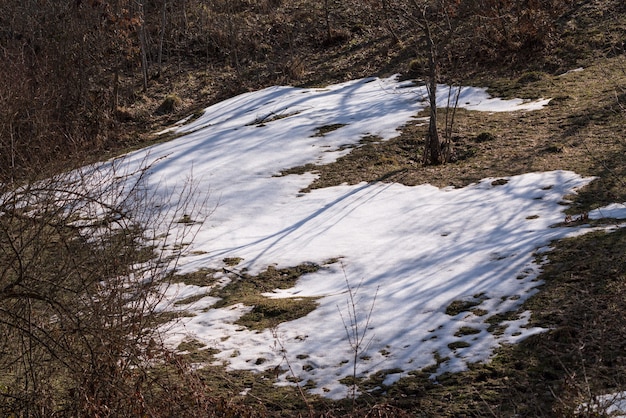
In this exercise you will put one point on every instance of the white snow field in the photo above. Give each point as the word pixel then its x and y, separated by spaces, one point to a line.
pixel 407 253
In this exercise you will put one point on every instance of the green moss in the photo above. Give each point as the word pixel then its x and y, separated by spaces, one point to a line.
pixel 190 299
pixel 531 77
pixel 201 277
pixel 232 261
pixel 484 137
pixel 458 344
pixel 466 331
pixel 458 306
pixel 246 286
pixel 267 313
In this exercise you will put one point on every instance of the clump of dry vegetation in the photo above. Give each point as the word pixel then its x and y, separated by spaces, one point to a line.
pixel 81 274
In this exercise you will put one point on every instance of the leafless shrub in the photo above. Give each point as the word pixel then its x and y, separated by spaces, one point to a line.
pixel 84 259
pixel 356 323
pixel 280 347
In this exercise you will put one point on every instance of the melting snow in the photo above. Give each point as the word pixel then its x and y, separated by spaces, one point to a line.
pixel 412 252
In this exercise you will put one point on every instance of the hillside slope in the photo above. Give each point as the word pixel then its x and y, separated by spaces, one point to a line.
pixel 120 74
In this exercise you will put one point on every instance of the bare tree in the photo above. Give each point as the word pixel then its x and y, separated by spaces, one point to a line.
pixel 432 19
pixel 432 153
pixel 162 36
pixel 59 82
pixel 143 42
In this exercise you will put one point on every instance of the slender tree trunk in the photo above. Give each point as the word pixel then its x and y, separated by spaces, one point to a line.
pixel 433 143
pixel 329 33
pixel 233 36
pixel 161 38
pixel 451 108
pixel 116 88
pixel 388 25
pixel 12 150
pixel 144 47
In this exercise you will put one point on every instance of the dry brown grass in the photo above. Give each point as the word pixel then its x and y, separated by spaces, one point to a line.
pixel 581 130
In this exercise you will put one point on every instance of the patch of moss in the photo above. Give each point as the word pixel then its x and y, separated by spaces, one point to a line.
pixel 307 168
pixel 194 351
pixel 323 130
pixel 499 182
pixel 190 345
pixel 267 313
pixel 466 331
pixel 201 277
pixel 531 77
pixel 496 322
pixel 458 344
pixel 484 137
pixel 232 261
pixel 169 104
pixel 458 306
pixel 190 299
pixel 246 288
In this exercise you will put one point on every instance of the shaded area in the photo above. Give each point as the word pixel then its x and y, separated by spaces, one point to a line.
pixel 548 374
